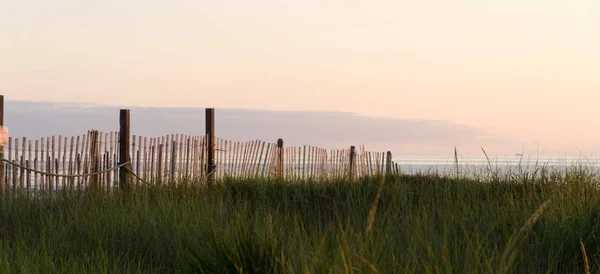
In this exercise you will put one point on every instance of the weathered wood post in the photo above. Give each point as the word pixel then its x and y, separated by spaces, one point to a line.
pixel 352 168
pixel 94 157
pixel 159 164
pixel 388 164
pixel 210 146
pixel 280 158
pixel 124 149
pixel 2 183
pixel 173 162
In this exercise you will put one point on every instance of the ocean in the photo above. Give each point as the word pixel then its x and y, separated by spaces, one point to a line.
pixel 478 164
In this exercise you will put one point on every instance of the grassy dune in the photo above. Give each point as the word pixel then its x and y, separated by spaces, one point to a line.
pixel 405 224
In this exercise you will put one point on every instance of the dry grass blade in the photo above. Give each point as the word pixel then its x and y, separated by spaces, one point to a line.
pixel 345 262
pixel 586 262
pixel 510 253
pixel 373 210
pixel 371 266
pixel 456 162
pixel 489 166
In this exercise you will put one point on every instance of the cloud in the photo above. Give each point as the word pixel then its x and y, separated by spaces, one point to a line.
pixel 326 129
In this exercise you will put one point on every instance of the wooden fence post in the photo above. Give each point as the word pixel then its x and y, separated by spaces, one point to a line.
pixel 159 163
pixel 388 164
pixel 210 146
pixel 2 183
pixel 352 168
pixel 173 162
pixel 280 158
pixel 124 149
pixel 94 157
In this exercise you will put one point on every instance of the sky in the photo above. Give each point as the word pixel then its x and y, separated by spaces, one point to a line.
pixel 524 73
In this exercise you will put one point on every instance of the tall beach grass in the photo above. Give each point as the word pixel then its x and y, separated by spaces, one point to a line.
pixel 515 223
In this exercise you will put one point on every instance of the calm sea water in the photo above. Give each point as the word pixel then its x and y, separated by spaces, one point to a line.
pixel 446 164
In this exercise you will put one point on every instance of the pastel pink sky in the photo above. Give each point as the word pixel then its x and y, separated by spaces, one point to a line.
pixel 526 70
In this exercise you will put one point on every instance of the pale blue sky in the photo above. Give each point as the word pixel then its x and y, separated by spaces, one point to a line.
pixel 526 70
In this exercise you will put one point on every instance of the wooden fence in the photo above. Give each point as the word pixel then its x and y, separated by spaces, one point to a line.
pixel 99 159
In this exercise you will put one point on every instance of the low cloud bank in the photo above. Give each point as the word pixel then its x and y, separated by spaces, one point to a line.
pixel 326 129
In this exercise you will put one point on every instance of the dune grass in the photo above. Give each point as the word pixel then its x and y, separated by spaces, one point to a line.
pixel 403 224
